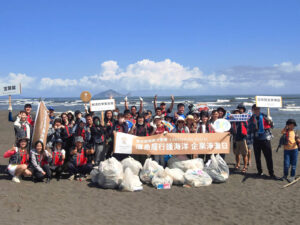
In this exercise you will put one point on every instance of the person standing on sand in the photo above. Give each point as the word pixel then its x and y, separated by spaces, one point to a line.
pixel 159 128
pixel 290 150
pixel 240 147
pixel 27 109
pixel 140 129
pixel 180 111
pixel 120 126
pixel 133 110
pixel 109 121
pixel 18 160
pixel 163 106
pixel 259 133
pixel 22 127
pixel 205 127
pixel 97 136
pixel 242 110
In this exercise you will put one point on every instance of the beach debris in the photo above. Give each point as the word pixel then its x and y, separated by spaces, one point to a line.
pixel 110 173
pixel 131 182
pixel 176 174
pixel 184 163
pixel 217 169
pixel 162 180
pixel 133 164
pixel 149 169
pixel 197 178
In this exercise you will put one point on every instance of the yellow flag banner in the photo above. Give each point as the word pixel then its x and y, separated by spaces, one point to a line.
pixel 172 144
pixel 41 124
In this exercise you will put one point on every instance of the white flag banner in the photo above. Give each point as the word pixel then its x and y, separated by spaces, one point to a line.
pixel 102 105
pixel 269 101
pixel 10 89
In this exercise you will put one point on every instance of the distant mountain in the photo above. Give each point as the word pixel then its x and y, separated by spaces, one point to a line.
pixel 109 93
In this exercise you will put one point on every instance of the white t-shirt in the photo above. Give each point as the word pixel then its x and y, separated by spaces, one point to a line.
pixel 203 128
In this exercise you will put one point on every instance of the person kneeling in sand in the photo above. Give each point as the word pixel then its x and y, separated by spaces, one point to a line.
pixel 58 158
pixel 79 165
pixel 39 163
pixel 18 160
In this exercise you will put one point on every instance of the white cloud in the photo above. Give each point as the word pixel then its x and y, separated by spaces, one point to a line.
pixel 47 82
pixel 22 78
pixel 148 75
pixel 276 83
pixel 287 67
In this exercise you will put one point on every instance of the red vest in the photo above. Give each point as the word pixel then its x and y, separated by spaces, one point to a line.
pixel 81 158
pixel 56 159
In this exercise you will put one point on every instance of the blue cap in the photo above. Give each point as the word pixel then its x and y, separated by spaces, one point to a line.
pixel 50 108
pixel 83 120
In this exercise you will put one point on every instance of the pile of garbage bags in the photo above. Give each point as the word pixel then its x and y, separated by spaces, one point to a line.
pixel 129 174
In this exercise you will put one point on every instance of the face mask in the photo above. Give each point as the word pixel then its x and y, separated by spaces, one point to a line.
pixel 121 120
pixel 140 123
pixel 97 123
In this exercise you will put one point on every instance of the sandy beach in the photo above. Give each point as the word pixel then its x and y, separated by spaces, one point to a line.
pixel 242 200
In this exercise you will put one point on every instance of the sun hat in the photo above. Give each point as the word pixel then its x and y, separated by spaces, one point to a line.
pixel 190 117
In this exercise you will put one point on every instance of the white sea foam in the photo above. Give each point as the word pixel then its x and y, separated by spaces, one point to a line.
pixel 223 100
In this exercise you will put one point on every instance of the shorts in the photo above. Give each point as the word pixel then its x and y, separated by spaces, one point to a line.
pixel 241 148
pixel 12 169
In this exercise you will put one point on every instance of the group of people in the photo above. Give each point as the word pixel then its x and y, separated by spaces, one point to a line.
pixel 78 142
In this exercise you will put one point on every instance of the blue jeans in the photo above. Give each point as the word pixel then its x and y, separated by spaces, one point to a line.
pixel 290 159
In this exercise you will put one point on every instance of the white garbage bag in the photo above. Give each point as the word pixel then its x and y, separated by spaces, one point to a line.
pixel 110 173
pixel 197 178
pixel 133 164
pixel 149 169
pixel 182 162
pixel 131 182
pixel 94 175
pixel 217 169
pixel 162 180
pixel 176 174
pixel 223 166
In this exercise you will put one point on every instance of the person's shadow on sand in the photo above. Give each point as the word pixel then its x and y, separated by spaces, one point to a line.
pixel 254 176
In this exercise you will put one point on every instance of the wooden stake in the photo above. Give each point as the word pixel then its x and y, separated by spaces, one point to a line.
pixel 295 181
pixel 9 100
pixel 269 112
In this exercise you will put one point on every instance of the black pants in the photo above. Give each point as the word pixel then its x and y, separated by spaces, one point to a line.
pixel 57 169
pixel 38 175
pixel 84 169
pixel 109 147
pixel 265 147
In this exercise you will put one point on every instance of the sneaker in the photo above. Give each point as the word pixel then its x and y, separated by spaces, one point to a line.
pixel 291 179
pixel 47 180
pixel 259 174
pixel 274 177
pixel 283 178
pixel 72 177
pixel 16 179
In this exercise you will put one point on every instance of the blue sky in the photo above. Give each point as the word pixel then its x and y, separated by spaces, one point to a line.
pixel 181 47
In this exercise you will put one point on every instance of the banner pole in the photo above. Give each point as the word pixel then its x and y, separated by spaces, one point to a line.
pixel 9 102
pixel 269 112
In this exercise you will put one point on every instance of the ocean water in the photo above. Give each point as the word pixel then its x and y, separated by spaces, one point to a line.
pixel 291 104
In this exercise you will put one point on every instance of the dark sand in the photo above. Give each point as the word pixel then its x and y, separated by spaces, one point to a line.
pixel 254 201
